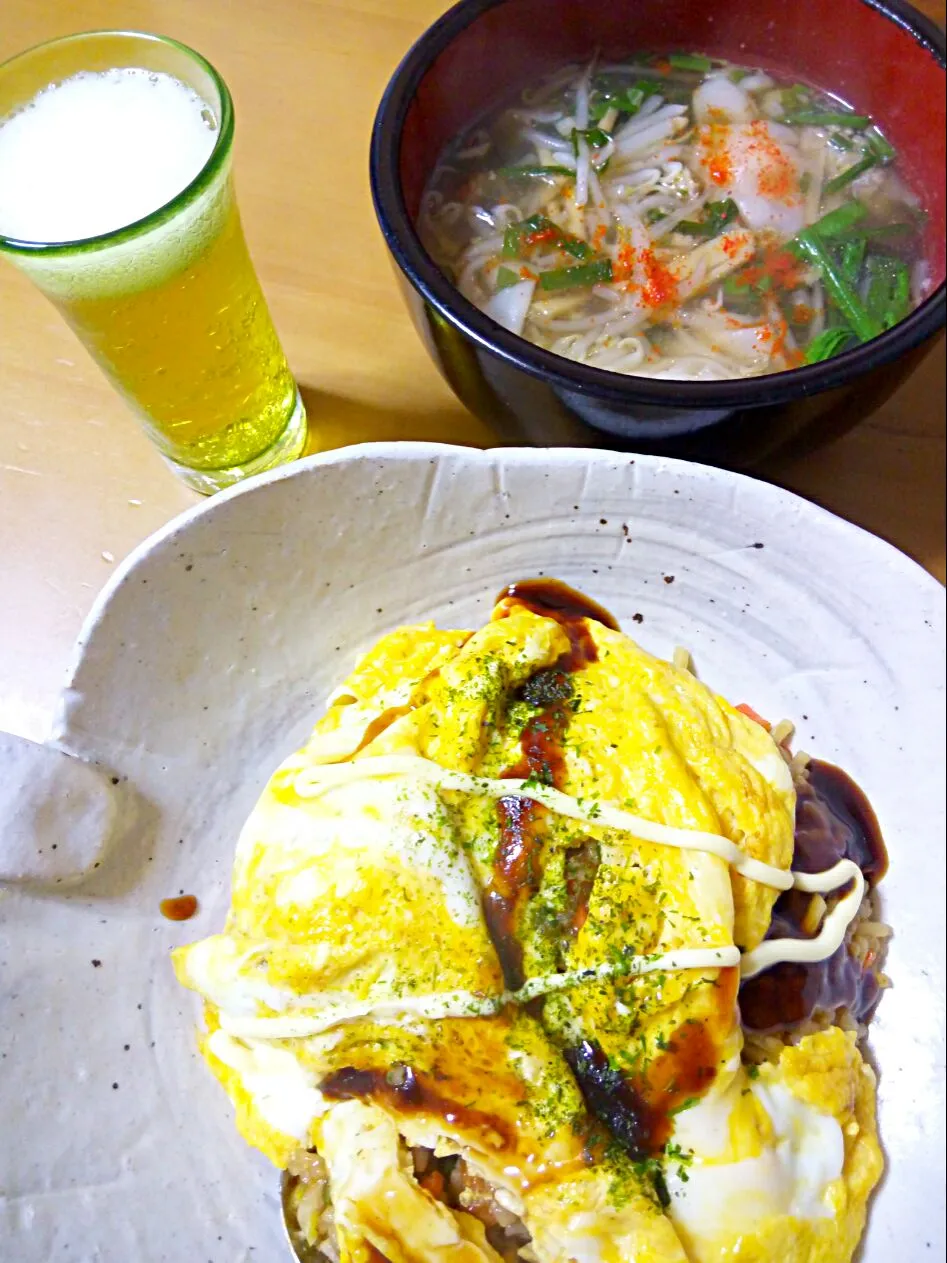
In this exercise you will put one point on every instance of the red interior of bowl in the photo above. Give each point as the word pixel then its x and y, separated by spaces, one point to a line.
pixel 846 47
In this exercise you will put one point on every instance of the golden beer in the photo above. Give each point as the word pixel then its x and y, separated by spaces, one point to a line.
pixel 169 305
pixel 197 354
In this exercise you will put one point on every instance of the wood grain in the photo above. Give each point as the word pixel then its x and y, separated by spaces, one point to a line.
pixel 80 486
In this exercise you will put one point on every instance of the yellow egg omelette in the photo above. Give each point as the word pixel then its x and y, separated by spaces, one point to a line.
pixel 479 991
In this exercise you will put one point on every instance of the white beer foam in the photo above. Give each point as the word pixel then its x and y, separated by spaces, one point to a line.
pixel 99 151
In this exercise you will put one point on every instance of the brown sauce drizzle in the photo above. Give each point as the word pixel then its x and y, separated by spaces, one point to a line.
pixel 554 599
pixel 400 1089
pixel 638 1108
pixel 581 869
pixel 180 908
pixel 834 821
pixel 515 865
pixel 515 878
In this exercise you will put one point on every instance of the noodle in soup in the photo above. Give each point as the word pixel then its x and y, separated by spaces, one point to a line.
pixel 679 217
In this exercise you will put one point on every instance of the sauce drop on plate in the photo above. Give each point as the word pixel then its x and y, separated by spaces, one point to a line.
pixel 180 908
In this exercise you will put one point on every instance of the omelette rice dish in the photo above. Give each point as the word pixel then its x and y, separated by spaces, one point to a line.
pixel 539 950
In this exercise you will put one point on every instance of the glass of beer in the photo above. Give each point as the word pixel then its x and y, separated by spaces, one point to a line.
pixel 116 199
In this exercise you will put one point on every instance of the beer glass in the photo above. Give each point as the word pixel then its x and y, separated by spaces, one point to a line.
pixel 169 304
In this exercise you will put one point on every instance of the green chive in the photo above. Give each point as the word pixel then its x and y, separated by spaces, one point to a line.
pixel 514 238
pixel 878 286
pixel 735 287
pixel 691 61
pixel 795 98
pixel 853 256
pixel 627 100
pixel 888 294
pixel 838 222
pixel 810 246
pixel 572 278
pixel 838 141
pixel 830 342
pixel 593 136
pixel 900 295
pixel 828 118
pixel 880 146
pixel 716 217
pixel 632 99
pixel 574 246
pixel 506 277
pixel 851 173
pixel 525 171
pixel 511 242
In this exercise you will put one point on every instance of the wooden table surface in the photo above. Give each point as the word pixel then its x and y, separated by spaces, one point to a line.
pixel 80 486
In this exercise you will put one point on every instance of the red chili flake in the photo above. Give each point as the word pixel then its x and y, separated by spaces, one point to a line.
pixel 733 243
pixel 776 267
pixel 713 140
pixel 802 313
pixel 541 235
pixel 660 288
pixel 778 177
pixel 624 263
pixel 527 274
pixel 720 169
pixel 772 338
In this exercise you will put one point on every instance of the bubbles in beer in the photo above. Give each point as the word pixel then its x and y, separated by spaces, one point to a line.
pixel 99 151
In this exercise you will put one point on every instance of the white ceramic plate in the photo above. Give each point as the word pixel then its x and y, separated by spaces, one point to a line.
pixel 207 659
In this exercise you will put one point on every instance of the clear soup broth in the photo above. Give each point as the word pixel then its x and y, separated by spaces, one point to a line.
pixel 679 217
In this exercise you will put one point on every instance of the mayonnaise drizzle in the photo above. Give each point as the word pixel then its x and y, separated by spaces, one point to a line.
pixel 832 934
pixel 432 1008
pixel 631 966
pixel 451 1004
pixel 319 780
